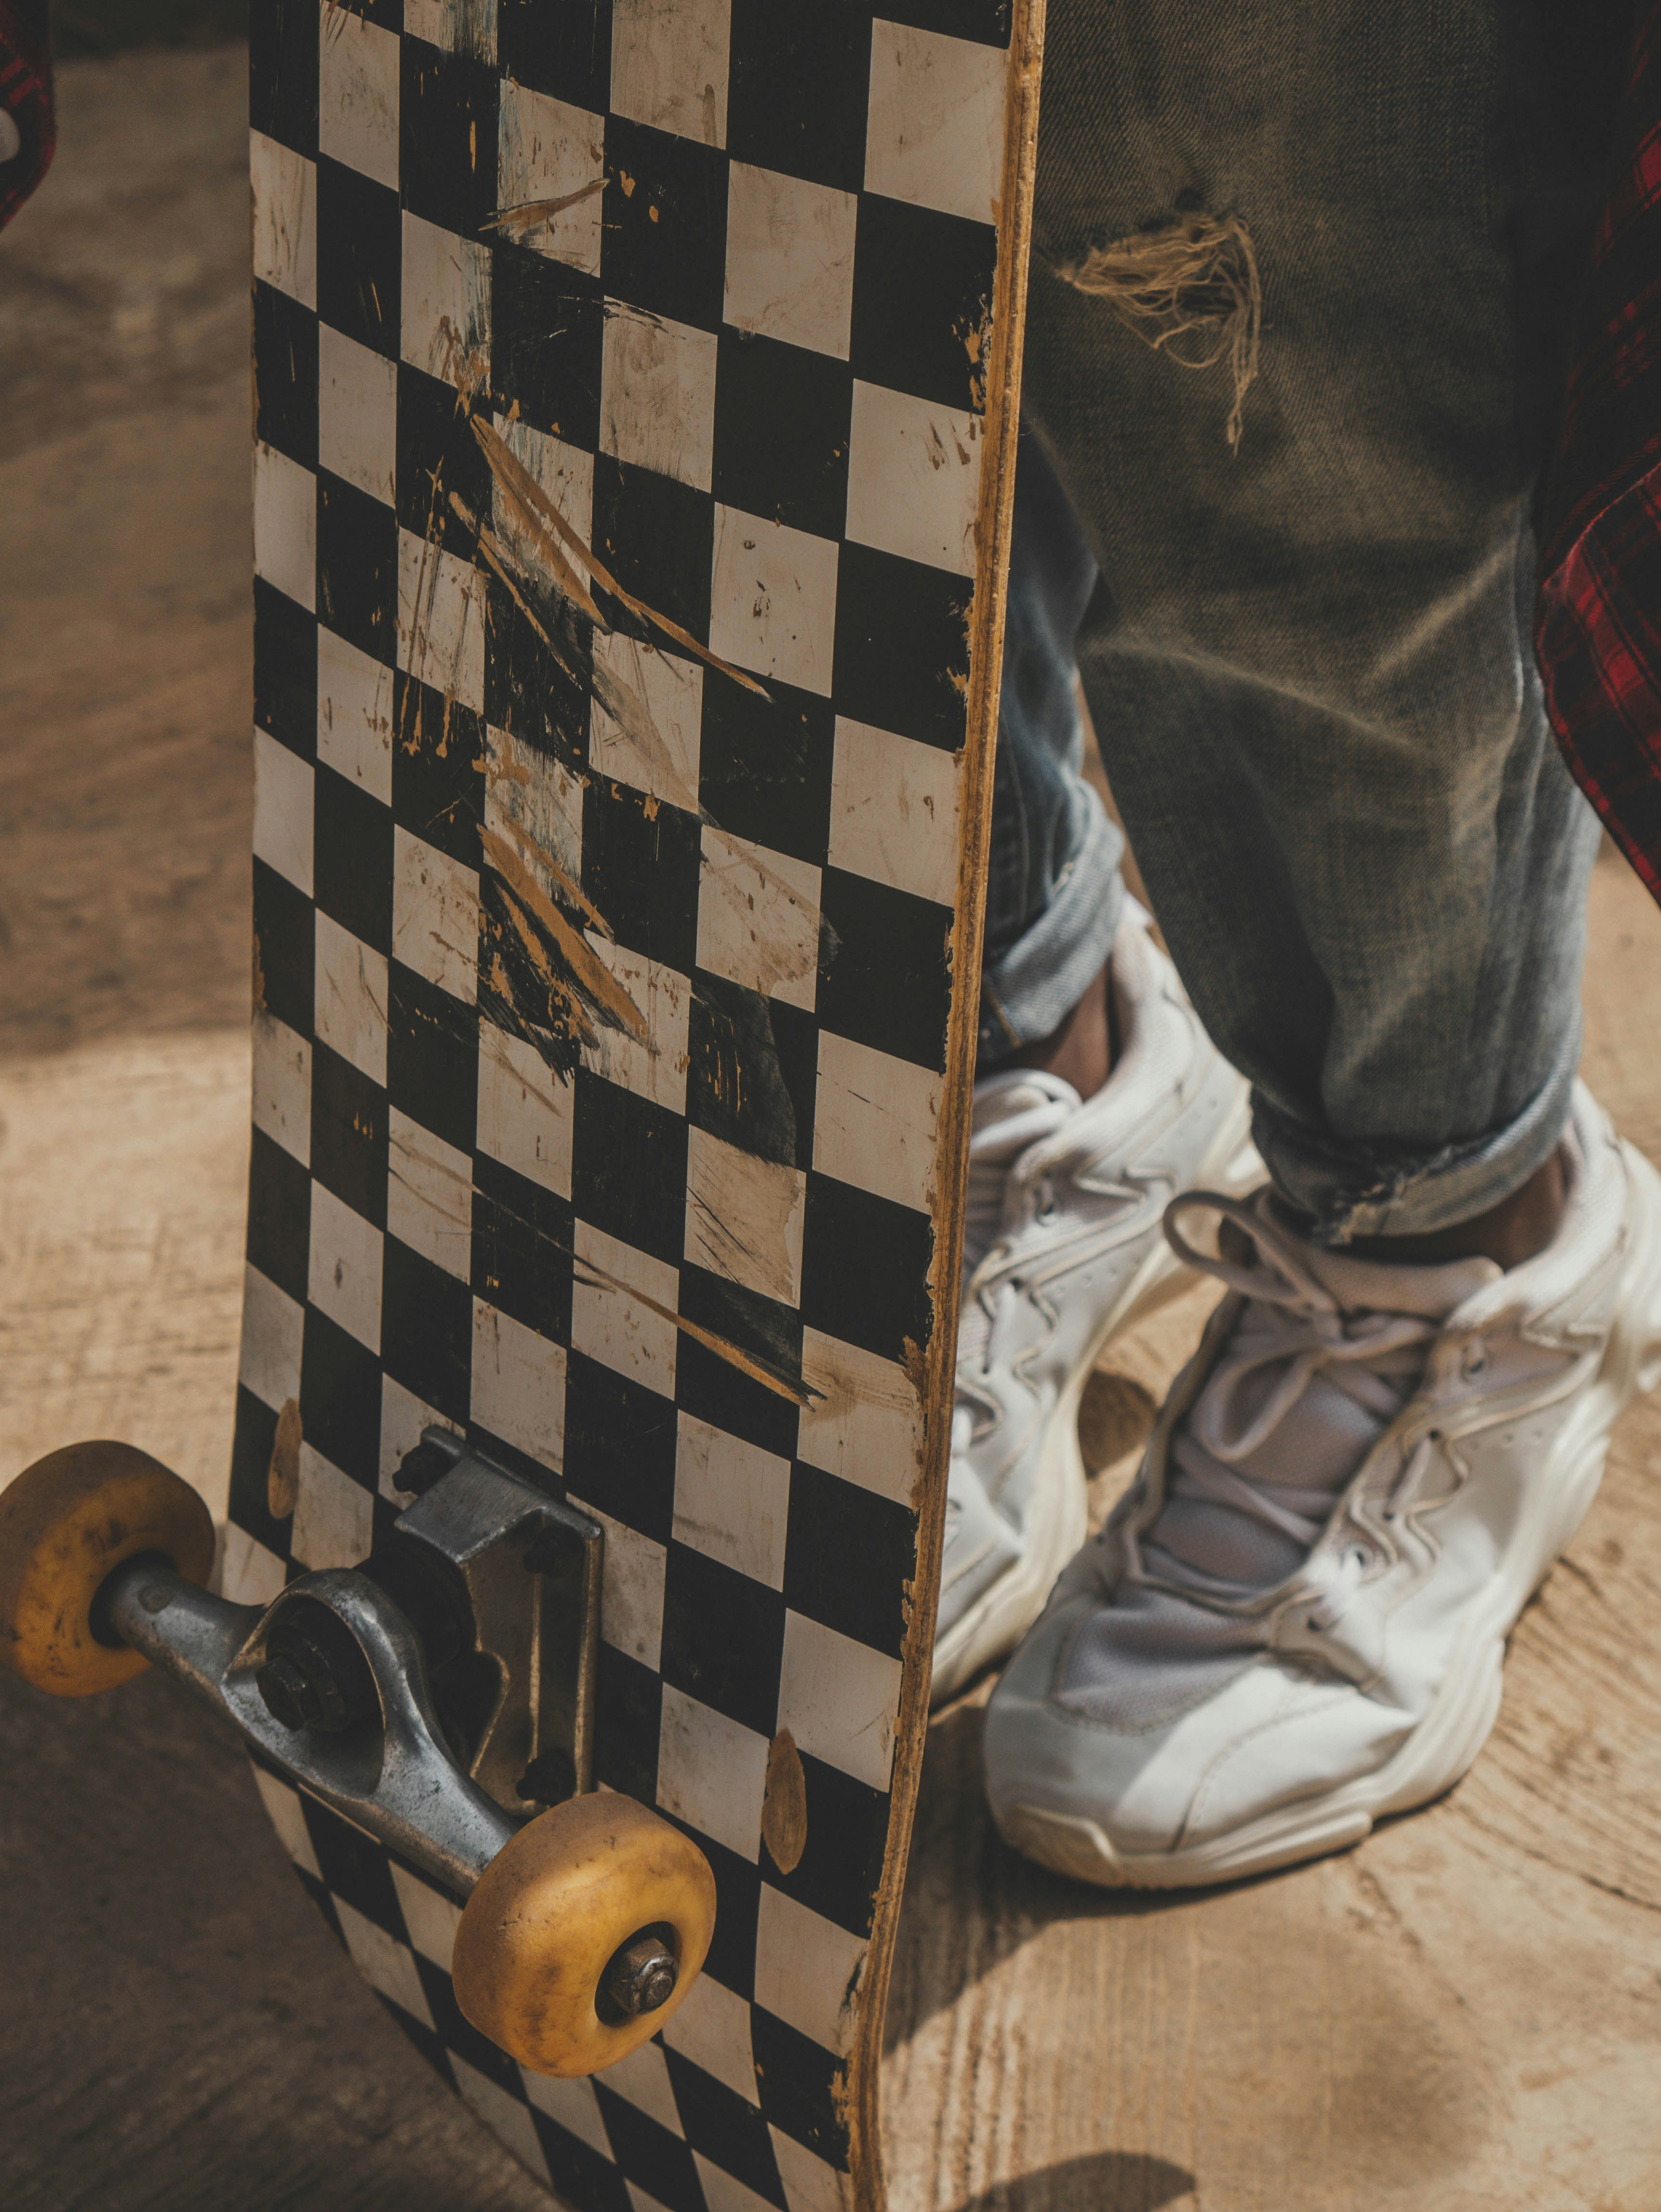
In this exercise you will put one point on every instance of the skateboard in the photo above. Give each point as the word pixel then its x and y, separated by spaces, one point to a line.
pixel 636 395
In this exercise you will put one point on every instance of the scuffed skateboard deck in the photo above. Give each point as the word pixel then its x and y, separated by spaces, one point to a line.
pixel 634 435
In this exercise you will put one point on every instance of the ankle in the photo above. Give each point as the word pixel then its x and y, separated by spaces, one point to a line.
pixel 1083 1047
pixel 1517 1229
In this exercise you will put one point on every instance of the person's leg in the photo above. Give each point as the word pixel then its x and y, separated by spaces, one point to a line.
pixel 1058 1252
pixel 1307 659
pixel 1308 664
pixel 1054 890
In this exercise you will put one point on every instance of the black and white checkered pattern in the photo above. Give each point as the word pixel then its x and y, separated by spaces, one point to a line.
pixel 740 351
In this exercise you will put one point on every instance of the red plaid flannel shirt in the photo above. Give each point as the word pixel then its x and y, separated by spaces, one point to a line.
pixel 26 95
pixel 1597 629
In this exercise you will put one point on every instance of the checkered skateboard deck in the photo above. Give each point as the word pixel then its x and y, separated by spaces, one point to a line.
pixel 635 428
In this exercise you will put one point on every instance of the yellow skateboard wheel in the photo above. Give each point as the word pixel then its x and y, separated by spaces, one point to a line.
pixel 537 1952
pixel 65 1523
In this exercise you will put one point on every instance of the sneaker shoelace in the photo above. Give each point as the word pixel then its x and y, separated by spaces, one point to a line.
pixel 1303 1386
pixel 1013 1111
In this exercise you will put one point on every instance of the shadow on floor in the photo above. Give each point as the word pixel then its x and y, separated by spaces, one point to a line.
pixel 108 26
pixel 1106 2181
pixel 182 2030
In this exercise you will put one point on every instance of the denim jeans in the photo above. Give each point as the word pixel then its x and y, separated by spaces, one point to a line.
pixel 1308 660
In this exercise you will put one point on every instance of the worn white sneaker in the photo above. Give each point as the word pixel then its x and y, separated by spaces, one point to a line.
pixel 1295 1621
pixel 1062 1246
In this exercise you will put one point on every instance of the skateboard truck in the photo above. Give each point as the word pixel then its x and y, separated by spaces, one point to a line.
pixel 435 1695
pixel 331 1682
pixel 502 1587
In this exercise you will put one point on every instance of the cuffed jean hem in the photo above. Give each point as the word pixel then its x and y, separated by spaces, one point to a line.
pixel 1027 992
pixel 1367 1190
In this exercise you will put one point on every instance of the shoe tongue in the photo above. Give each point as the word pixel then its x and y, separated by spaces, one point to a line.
pixel 1312 1454
pixel 1432 1292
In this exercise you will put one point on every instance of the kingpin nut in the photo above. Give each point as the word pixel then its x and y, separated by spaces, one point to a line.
pixel 314 1675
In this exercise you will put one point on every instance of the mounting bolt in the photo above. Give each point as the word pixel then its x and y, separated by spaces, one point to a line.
pixel 421 1467
pixel 641 1975
pixel 551 1777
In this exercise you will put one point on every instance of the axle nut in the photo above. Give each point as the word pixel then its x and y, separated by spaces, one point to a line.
pixel 639 1977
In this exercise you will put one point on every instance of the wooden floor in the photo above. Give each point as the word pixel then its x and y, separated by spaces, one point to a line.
pixel 1464 2016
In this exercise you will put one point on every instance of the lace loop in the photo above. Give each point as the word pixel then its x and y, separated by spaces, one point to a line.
pixel 1305 1332
pixel 1296 1283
